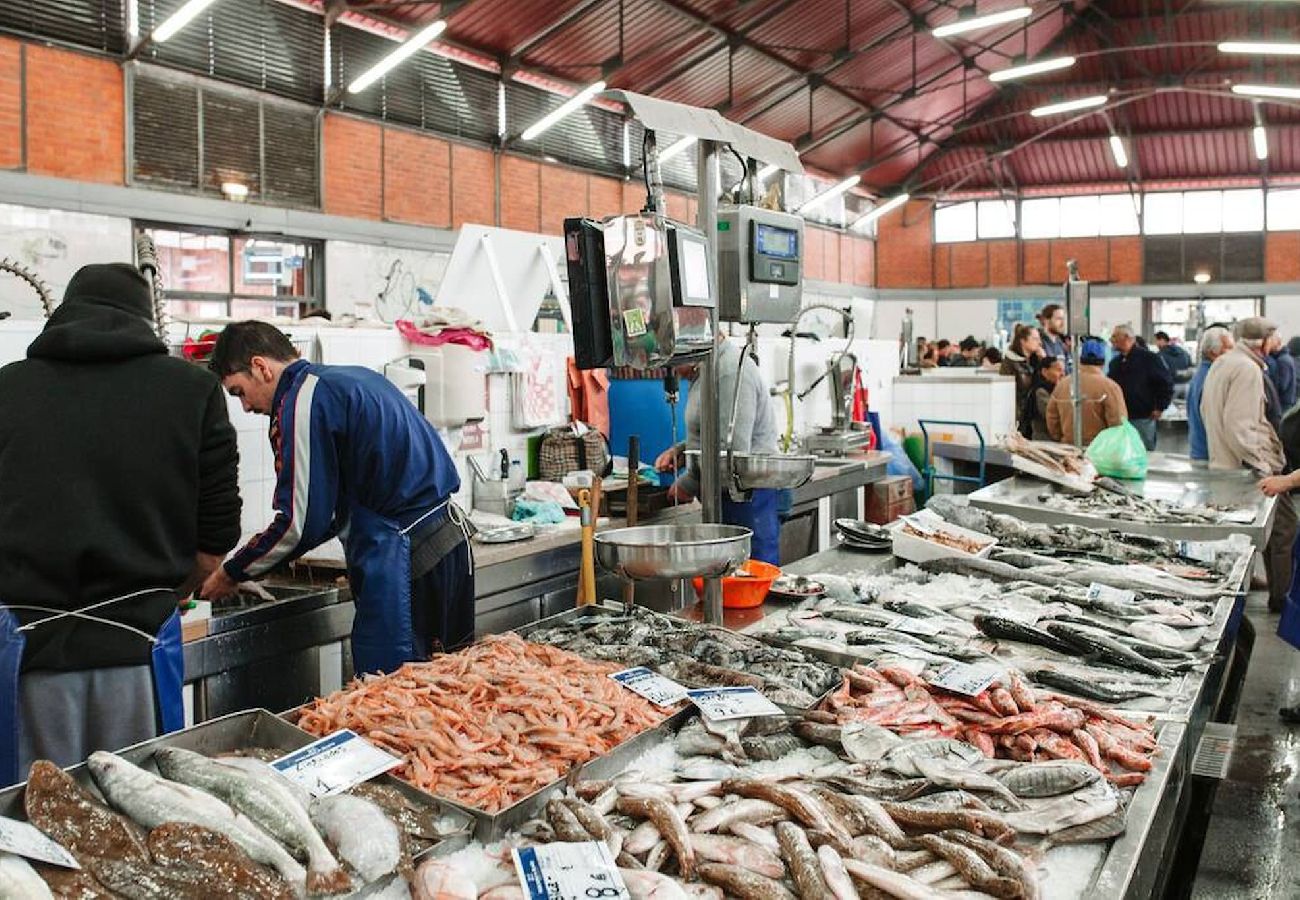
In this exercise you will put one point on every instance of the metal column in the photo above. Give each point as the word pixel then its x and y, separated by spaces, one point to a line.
pixel 710 443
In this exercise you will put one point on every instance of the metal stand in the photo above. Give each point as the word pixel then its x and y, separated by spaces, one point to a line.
pixel 710 440
pixel 1077 302
pixel 930 475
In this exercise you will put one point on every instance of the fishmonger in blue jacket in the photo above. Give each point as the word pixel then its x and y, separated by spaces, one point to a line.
pixel 354 458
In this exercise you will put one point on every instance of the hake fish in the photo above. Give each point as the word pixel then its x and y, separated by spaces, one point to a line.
pixel 265 800
pixel 364 836
pixel 153 801
pixel 1106 649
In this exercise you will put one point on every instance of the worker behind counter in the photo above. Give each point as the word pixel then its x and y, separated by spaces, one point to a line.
pixel 354 457
pixel 118 495
pixel 755 433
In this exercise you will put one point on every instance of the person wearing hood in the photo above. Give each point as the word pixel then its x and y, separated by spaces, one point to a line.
pixel 1021 361
pixel 354 458
pixel 118 494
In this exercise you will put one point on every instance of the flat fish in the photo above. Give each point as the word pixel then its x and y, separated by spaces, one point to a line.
pixel 416 821
pixel 19 881
pixel 1048 779
pixel 141 881
pixel 72 884
pixel 902 758
pixel 363 834
pixel 179 844
pixel 438 879
pixel 66 811
pixel 1102 829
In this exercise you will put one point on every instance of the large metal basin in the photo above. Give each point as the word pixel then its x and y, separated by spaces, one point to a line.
pixel 751 471
pixel 666 552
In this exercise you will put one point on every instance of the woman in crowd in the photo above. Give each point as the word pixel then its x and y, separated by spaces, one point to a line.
pixel 1021 361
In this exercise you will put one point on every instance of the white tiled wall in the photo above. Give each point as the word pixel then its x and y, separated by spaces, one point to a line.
pixel 990 403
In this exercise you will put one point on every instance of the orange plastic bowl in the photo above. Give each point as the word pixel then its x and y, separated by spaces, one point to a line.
pixel 748 591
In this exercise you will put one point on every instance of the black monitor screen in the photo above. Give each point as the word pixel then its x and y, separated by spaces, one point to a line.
pixel 782 243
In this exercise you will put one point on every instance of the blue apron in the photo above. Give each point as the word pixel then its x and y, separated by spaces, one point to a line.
pixel 1288 626
pixel 758 514
pixel 167 663
pixel 378 551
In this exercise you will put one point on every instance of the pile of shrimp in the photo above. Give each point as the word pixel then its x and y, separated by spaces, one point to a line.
pixel 489 725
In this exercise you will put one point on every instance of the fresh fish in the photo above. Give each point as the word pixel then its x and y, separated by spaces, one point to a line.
pixel 438 879
pixel 893 884
pixel 859 615
pixel 972 867
pixel 153 801
pixel 944 774
pixel 364 836
pixel 771 746
pixel 1001 628
pixel 19 881
pixel 836 876
pixel 799 804
pixel 694 740
pixel 935 872
pixel 1102 829
pixel 415 820
pixel 902 758
pixel 888 637
pixel 72 884
pixel 594 824
pixel 644 885
pixel 1005 862
pixel 146 881
pixel 867 742
pixel 802 861
pixel 745 810
pixel 1084 687
pixel 736 851
pixel 266 801
pixel 66 812
pixel 986 568
pixel 951 799
pixel 1157 651
pixel 880 822
pixel 642 838
pixel 565 824
pixel 1107 649
pixel 1048 779
pixel 987 824
pixel 180 845
pixel 670 826
pixel 704 768
pixel 1079 808
pixel 256 767
pixel 763 837
pixel 743 884
pixel 822 735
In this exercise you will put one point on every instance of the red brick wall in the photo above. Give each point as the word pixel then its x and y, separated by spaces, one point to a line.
pixel 354 168
pixel 604 196
pixel 1282 256
pixel 473 186
pixel 564 194
pixel 417 178
pixel 905 247
pixel 970 265
pixel 521 189
pixel 11 104
pixel 1004 262
pixel 74 116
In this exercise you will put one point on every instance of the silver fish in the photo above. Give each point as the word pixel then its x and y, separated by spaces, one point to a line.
pixel 1048 779
pixel 1079 808
pixel 763 837
pixel 902 758
pixel 835 874
pixel 366 839
pixel 895 884
pixel 737 852
pixel 945 774
pixel 867 742
pixel 744 810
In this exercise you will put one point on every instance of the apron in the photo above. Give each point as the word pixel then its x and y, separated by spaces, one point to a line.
pixel 759 514
pixel 1288 627
pixel 167 663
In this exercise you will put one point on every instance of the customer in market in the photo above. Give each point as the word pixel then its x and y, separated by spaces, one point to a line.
pixel 354 458
pixel 1215 341
pixel 968 353
pixel 1053 334
pixel 1173 355
pixel 1103 399
pixel 1281 369
pixel 944 349
pixel 1238 434
pixel 754 432
pixel 990 359
pixel 1021 360
pixel 1046 378
pixel 118 495
pixel 1147 383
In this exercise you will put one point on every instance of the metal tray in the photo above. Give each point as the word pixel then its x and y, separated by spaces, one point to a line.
pixel 244 731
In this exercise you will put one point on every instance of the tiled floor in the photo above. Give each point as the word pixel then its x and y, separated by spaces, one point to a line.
pixel 1252 849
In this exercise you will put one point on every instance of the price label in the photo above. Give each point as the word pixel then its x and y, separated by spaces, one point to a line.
pixel 923 627
pixel 1099 591
pixel 721 703
pixel 964 678
pixel 25 839
pixel 1201 551
pixel 654 687
pixel 564 871
pixel 335 763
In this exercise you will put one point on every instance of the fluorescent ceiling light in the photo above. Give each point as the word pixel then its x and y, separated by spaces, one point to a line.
pixel 1033 68
pixel 767 172
pixel 976 23
pixel 179 19
pixel 1276 91
pixel 1055 109
pixel 1268 48
pixel 1260 136
pixel 575 102
pixel 1117 150
pixel 831 192
pixel 392 60
pixel 676 147
pixel 1201 278
pixel 888 206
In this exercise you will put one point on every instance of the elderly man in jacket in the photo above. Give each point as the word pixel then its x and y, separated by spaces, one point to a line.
pixel 1215 342
pixel 1238 435
pixel 1146 380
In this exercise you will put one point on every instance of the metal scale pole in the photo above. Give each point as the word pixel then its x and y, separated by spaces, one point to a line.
pixel 1078 314
pixel 710 443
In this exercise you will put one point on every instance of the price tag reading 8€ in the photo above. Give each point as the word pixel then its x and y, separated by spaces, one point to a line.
pixel 564 871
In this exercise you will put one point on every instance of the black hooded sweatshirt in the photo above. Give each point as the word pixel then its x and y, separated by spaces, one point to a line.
pixel 117 463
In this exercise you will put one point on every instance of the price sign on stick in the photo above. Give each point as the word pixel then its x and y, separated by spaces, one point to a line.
pixel 335 763
pixel 569 871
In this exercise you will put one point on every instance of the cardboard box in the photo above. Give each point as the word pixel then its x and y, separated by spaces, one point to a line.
pixel 890 490
pixel 883 514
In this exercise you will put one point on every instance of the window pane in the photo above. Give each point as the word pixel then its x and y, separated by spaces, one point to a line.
pixel 1243 210
pixel 1079 217
pixel 1284 210
pixel 1118 213
pixel 269 268
pixel 997 218
pixel 1162 213
pixel 954 223
pixel 1202 212
pixel 1040 218
pixel 194 263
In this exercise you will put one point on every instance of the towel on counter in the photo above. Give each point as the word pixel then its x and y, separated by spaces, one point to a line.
pixel 538 512
pixel 445 325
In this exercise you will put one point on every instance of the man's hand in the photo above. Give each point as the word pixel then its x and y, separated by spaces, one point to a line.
pixel 1274 485
pixel 218 586
pixel 664 461
pixel 678 494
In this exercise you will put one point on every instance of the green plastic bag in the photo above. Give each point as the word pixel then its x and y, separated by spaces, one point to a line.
pixel 1118 452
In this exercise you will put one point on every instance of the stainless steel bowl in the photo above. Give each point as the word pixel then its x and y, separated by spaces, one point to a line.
pixel 665 552
pixel 765 470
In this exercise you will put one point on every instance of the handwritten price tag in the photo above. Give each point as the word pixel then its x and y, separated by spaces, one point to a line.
pixel 654 687
pixel 26 840
pixel 577 871
pixel 963 678
pixel 923 627
pixel 721 703
pixel 1098 591
pixel 335 763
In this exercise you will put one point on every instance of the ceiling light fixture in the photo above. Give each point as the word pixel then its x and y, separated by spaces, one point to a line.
pixel 976 23
pixel 830 193
pixel 676 147
pixel 1268 91
pixel 1056 109
pixel 577 101
pixel 1201 278
pixel 1260 136
pixel 391 61
pixel 1266 48
pixel 1117 150
pixel 888 206
pixel 179 19
pixel 1033 68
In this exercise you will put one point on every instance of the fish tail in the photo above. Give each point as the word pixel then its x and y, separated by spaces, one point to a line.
pixel 328 881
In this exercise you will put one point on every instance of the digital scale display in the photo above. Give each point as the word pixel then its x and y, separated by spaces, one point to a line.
pixel 781 243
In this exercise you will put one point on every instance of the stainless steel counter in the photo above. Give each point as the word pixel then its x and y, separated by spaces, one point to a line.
pixel 998 463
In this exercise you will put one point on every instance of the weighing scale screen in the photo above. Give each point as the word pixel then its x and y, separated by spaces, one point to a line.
pixel 781 243
pixel 693 261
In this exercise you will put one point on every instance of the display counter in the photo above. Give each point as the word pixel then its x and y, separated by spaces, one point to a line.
pixel 960 458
